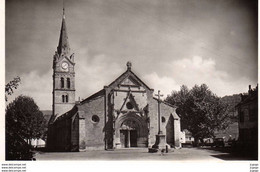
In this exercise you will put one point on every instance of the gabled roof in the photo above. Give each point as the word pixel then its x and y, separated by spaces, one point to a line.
pixel 126 74
pixel 174 114
pixel 252 96
pixel 68 114
pixel 97 94
pixel 248 99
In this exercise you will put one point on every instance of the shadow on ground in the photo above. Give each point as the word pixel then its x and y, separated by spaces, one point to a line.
pixel 233 157
pixel 226 153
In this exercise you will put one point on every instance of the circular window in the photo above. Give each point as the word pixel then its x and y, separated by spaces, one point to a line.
pixel 129 105
pixel 163 119
pixel 95 118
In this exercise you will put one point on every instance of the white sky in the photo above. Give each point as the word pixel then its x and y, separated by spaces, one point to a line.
pixel 169 42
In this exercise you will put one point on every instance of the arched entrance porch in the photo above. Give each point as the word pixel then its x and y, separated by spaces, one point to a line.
pixel 131 130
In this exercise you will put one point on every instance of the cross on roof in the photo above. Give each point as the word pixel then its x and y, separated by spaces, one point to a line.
pixel 129 65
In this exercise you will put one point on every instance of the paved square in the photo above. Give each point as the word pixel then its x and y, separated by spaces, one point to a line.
pixel 184 154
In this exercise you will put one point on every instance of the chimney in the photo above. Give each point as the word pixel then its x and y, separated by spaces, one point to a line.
pixel 249 90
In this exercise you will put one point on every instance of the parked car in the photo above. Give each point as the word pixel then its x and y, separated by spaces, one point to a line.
pixel 219 142
pixel 208 142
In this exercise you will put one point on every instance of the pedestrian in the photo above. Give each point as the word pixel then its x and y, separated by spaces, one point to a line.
pixel 162 151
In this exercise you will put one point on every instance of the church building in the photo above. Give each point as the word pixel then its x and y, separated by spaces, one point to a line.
pixel 123 114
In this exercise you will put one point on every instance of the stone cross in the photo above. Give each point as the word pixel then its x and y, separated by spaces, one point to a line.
pixel 159 115
pixel 159 95
pixel 129 65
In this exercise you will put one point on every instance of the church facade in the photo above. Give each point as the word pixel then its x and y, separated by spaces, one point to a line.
pixel 123 114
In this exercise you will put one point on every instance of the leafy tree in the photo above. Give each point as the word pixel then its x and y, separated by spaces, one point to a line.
pixel 24 121
pixel 24 115
pixel 201 111
pixel 9 87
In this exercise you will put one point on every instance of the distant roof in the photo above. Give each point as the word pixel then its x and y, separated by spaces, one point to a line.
pixel 252 96
pixel 47 114
pixel 166 103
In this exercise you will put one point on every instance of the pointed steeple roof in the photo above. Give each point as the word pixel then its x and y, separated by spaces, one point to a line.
pixel 63 47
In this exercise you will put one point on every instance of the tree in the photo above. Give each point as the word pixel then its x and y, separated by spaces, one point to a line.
pixel 24 115
pixel 24 121
pixel 9 87
pixel 201 111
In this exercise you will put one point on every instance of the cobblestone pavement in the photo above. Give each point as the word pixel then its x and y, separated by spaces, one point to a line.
pixel 184 154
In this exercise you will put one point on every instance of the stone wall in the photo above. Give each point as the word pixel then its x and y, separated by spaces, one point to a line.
pixel 57 80
pixel 177 133
pixel 94 131
pixel 153 114
pixel 74 133
pixel 82 133
pixel 60 107
pixel 248 129
pixel 166 113
pixel 170 136
pixel 63 134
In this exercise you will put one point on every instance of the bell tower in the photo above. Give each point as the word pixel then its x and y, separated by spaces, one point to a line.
pixel 63 74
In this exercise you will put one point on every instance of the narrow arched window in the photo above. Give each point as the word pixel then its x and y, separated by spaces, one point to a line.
pixel 63 98
pixel 67 98
pixel 62 82
pixel 68 82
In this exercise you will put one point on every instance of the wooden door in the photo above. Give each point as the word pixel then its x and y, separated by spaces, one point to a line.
pixel 123 138
pixel 133 138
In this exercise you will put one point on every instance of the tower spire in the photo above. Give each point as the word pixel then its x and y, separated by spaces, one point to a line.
pixel 63 10
pixel 63 47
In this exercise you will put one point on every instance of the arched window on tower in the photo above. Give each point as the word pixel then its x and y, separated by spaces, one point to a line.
pixel 62 82
pixel 67 98
pixel 68 82
pixel 63 98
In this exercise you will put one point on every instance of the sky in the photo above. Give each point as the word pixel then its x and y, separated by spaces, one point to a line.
pixel 169 42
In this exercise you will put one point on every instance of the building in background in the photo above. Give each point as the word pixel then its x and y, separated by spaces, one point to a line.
pixel 189 139
pixel 248 123
pixel 231 132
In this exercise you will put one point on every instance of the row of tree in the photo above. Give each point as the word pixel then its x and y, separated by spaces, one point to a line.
pixel 201 111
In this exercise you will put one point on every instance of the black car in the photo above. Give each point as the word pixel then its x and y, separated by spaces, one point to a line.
pixel 219 142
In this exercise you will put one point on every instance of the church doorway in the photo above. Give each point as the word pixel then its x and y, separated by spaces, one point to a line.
pixel 130 131
pixel 133 138
pixel 128 138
